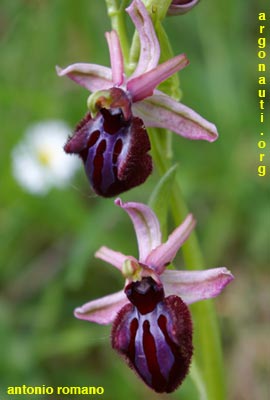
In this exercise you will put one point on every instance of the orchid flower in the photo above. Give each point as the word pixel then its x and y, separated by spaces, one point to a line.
pixel 181 6
pixel 112 140
pixel 152 325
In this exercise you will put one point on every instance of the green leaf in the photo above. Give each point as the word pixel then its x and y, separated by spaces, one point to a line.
pixel 160 199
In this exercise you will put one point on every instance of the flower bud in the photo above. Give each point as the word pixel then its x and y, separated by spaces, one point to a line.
pixel 181 6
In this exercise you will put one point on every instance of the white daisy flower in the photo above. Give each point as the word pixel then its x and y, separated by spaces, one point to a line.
pixel 39 161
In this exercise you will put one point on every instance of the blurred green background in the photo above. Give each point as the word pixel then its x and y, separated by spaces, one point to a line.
pixel 47 264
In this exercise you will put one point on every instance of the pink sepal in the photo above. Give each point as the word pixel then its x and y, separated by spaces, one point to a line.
pixel 146 226
pixel 194 286
pixel 91 76
pixel 150 50
pixel 162 111
pixel 103 310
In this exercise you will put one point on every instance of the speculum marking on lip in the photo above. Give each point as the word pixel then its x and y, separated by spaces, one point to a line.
pixel 117 150
pixel 98 162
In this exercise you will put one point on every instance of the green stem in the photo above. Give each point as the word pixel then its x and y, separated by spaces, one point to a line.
pixel 208 354
pixel 134 53
pixel 196 376
pixel 158 8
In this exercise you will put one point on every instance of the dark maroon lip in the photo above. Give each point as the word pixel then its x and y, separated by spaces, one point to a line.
pixel 113 148
pixel 154 334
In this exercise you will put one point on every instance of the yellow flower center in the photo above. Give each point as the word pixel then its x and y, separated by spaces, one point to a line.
pixel 44 157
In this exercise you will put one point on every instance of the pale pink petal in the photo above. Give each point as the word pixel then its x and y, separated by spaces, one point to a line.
pixel 146 226
pixel 116 57
pixel 143 86
pixel 150 50
pixel 91 76
pixel 165 252
pixel 103 310
pixel 161 111
pixel 112 257
pixel 193 286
